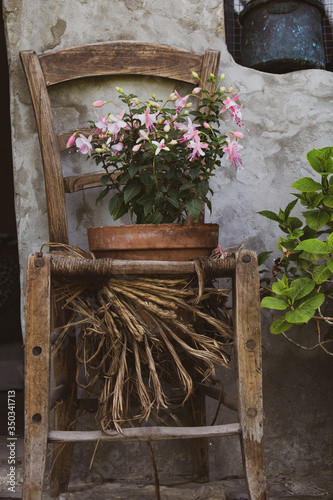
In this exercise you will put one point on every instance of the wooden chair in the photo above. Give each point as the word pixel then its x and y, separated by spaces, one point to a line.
pixel 114 58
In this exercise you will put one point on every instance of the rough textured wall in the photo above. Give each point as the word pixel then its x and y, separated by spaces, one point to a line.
pixel 286 115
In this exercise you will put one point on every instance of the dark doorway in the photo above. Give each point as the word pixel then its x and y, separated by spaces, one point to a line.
pixel 11 351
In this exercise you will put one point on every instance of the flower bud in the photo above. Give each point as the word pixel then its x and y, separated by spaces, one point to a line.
pixel 173 97
pixel 167 127
pixel 195 75
pixel 229 90
pixel 238 135
pixel 196 91
pixel 120 90
pixel 188 105
pixel 71 141
pixel 173 142
pixel 222 89
pixel 206 125
pixel 99 150
pixel 99 104
pixel 136 147
pixel 222 77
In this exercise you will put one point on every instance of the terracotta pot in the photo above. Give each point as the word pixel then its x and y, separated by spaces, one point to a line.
pixel 153 241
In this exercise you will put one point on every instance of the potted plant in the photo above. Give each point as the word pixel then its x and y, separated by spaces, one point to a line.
pixel 304 271
pixel 158 159
pixel 279 36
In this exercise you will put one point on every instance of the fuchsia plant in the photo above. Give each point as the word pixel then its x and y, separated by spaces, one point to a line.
pixel 159 157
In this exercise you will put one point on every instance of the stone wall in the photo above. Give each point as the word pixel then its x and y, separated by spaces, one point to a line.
pixel 286 115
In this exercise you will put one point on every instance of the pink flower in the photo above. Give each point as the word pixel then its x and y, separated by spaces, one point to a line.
pixel 101 123
pixel 117 124
pixel 147 118
pixel 160 145
pixel 84 144
pixel 197 148
pixel 99 104
pixel 189 130
pixel 234 109
pixel 71 141
pixel 232 150
pixel 143 136
pixel 180 102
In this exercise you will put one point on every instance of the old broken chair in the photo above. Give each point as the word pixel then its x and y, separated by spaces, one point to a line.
pixel 114 58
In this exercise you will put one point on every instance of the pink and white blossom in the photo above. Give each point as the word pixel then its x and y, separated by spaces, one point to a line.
pixel 197 148
pixel 180 102
pixel 160 145
pixel 148 119
pixel 234 108
pixel 232 151
pixel 117 123
pixel 84 144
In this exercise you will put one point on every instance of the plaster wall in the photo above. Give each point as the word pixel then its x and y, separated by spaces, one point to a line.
pixel 286 115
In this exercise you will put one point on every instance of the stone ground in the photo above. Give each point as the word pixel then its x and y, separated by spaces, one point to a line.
pixel 280 488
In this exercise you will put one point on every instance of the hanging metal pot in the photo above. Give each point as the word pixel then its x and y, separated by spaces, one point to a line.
pixel 279 36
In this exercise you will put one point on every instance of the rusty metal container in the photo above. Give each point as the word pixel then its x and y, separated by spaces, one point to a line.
pixel 279 36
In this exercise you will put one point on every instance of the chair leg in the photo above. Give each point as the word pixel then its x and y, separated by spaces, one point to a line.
pixel 64 368
pixel 196 417
pixel 37 375
pixel 249 371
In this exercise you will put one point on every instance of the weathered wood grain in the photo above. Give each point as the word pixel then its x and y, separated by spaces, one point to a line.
pixel 247 342
pixel 53 176
pixel 146 434
pixel 37 375
pixel 120 58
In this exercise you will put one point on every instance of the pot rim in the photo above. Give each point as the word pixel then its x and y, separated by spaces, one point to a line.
pixel 252 4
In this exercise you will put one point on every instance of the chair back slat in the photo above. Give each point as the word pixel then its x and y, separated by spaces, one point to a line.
pixel 125 58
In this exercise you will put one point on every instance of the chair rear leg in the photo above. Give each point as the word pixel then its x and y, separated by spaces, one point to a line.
pixel 64 368
pixel 37 374
pixel 249 371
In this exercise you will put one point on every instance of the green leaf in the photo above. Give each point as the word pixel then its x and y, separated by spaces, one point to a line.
pixel 155 218
pixel 289 207
pixel 321 273
pixel 320 160
pixel 194 207
pixel 270 215
pixel 280 325
pixel 130 191
pixel 329 243
pixel 313 245
pixel 133 169
pixel 328 201
pixel 105 179
pixel 314 300
pixel 307 185
pixel 262 257
pixel 301 287
pixel 330 265
pixel 274 303
pixel 117 207
pixel 102 194
pixel 316 219
pixel 300 315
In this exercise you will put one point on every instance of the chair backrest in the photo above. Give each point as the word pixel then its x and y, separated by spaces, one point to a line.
pixel 100 59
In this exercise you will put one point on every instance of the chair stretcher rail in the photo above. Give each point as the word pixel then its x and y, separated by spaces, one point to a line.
pixel 76 268
pixel 146 433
